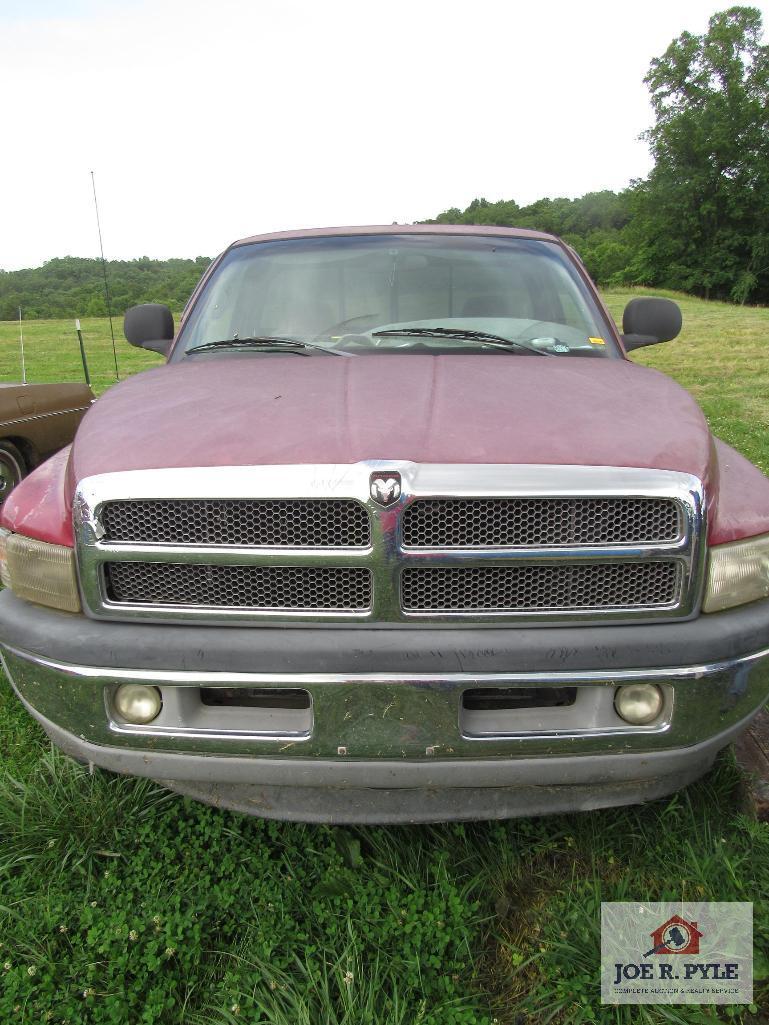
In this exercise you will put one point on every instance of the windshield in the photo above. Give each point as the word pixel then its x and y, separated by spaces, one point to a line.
pixel 396 293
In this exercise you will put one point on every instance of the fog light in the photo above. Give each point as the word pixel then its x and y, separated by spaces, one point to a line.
pixel 138 704
pixel 638 703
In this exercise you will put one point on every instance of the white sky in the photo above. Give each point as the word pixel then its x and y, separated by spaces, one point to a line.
pixel 208 121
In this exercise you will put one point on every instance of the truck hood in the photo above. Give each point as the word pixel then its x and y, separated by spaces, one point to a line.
pixel 247 410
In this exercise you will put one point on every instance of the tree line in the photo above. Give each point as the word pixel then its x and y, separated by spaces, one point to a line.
pixel 599 226
pixel 596 225
pixel 71 286
pixel 699 223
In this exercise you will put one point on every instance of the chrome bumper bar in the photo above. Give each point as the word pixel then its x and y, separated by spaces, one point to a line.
pixel 372 717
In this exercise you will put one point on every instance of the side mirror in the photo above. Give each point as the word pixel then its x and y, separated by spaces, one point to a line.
pixel 149 326
pixel 647 321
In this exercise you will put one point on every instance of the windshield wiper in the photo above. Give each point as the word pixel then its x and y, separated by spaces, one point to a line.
pixel 267 342
pixel 461 333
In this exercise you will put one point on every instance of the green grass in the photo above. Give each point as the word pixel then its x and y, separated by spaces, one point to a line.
pixel 52 352
pixel 121 903
pixel 722 358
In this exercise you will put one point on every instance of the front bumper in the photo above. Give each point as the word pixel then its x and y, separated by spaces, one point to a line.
pixel 386 736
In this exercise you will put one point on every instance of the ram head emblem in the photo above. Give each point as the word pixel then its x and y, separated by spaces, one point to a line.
pixel 385 488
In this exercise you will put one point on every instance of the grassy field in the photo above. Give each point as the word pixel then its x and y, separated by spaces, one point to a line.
pixel 52 353
pixel 722 358
pixel 121 903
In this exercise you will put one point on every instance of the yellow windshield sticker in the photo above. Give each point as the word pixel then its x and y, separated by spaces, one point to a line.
pixel 596 341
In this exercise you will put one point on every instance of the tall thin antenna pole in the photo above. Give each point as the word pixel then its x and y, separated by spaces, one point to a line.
pixel 104 271
pixel 21 341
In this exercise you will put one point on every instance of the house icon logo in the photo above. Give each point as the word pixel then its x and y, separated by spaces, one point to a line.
pixel 676 936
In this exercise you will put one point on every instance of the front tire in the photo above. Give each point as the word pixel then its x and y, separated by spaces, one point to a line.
pixel 12 469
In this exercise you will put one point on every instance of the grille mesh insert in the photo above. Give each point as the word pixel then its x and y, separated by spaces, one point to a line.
pixel 495 522
pixel 254 587
pixel 287 523
pixel 540 587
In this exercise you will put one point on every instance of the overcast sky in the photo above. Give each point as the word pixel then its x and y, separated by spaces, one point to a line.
pixel 208 121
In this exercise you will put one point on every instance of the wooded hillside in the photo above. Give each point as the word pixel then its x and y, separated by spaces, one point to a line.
pixel 74 287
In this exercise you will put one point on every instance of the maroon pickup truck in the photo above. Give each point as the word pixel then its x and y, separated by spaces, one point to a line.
pixel 397 534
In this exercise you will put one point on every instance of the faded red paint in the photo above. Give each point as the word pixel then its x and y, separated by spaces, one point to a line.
pixel 40 506
pixel 401 229
pixel 742 509
pixel 268 410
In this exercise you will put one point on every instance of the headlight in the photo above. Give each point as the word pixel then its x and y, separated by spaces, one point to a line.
pixel 5 578
pixel 738 572
pixel 39 572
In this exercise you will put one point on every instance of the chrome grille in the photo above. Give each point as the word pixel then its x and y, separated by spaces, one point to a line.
pixel 277 523
pixel 485 543
pixel 267 588
pixel 539 522
pixel 520 588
